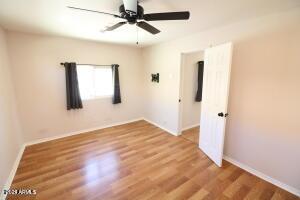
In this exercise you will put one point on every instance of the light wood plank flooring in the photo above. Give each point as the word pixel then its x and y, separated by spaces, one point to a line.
pixel 133 161
pixel 191 134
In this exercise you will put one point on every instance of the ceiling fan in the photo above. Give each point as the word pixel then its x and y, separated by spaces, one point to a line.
pixel 133 13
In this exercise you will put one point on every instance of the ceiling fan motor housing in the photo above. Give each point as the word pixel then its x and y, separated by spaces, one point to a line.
pixel 131 18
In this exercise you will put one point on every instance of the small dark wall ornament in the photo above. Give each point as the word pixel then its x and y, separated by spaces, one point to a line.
pixel 155 77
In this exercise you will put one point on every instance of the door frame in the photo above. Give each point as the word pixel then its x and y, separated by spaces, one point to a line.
pixel 181 82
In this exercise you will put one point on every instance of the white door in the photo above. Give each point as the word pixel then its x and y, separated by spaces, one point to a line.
pixel 217 65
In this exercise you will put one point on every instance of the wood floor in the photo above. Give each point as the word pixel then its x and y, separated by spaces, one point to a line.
pixel 191 134
pixel 133 161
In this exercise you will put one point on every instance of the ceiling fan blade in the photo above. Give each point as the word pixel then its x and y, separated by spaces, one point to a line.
pixel 111 28
pixel 167 16
pixel 147 27
pixel 95 11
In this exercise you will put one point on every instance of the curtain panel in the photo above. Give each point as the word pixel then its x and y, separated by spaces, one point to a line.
pixel 117 93
pixel 72 88
pixel 200 81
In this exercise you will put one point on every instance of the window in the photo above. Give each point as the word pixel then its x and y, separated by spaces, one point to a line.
pixel 94 82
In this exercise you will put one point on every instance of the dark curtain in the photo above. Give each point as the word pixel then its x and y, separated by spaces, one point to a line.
pixel 72 88
pixel 116 82
pixel 200 81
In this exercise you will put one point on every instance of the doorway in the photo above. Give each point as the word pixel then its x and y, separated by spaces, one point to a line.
pixel 190 105
pixel 214 99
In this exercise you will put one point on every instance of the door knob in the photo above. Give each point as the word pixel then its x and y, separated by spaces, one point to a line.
pixel 221 114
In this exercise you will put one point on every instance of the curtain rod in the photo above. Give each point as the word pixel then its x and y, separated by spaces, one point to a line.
pixel 90 65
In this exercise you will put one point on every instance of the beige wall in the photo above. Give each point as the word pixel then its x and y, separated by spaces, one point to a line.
pixel 189 84
pixel 40 84
pixel 263 127
pixel 10 138
pixel 161 98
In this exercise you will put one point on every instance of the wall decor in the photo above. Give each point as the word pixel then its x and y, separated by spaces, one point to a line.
pixel 155 77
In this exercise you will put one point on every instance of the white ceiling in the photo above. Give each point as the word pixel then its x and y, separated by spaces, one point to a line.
pixel 52 17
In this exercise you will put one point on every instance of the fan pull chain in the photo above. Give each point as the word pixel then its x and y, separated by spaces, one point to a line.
pixel 137 35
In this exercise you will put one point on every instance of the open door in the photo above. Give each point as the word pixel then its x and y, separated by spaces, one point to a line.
pixel 216 80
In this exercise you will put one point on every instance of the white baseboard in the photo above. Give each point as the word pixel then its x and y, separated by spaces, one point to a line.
pixel 189 127
pixel 94 129
pixel 165 129
pixel 80 132
pixel 264 176
pixel 12 173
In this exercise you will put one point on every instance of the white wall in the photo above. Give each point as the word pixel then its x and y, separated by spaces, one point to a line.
pixel 263 126
pixel 190 108
pixel 10 132
pixel 162 98
pixel 40 84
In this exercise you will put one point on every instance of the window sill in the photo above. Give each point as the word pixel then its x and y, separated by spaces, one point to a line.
pixel 100 97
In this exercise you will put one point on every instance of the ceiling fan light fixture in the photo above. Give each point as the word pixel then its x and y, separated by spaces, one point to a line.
pixel 130 7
